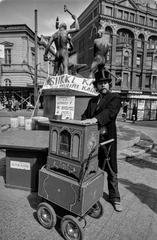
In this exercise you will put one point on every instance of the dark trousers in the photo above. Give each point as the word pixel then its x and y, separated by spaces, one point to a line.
pixel 109 166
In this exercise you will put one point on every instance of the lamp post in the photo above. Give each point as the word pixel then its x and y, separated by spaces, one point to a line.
pixel 36 64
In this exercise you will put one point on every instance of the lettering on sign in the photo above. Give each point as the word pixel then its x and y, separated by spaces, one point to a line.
pixel 135 92
pixel 20 165
pixel 71 82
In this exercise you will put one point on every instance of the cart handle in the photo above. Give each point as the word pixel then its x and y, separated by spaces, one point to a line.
pixel 106 142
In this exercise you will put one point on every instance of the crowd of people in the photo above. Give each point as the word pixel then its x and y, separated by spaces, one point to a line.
pixel 11 104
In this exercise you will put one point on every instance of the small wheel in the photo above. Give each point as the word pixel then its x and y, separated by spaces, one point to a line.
pixel 71 228
pixel 96 211
pixel 46 215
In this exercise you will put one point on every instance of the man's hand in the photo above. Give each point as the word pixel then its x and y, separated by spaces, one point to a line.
pixel 89 121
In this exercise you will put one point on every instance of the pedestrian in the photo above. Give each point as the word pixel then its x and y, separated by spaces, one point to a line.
pixel 125 110
pixel 103 110
pixel 134 113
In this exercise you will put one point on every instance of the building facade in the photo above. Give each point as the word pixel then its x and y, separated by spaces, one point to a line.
pixel 17 68
pixel 132 29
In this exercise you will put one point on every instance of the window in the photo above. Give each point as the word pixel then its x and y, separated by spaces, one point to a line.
pixel 7 59
pixel 126 58
pixel 118 58
pixel 154 82
pixel 126 16
pixel 126 79
pixel 108 11
pixel 155 23
pixel 7 82
pixel 118 81
pixel 108 56
pixel 149 61
pixel 147 81
pixel 140 41
pixel 139 61
pixel 132 16
pixel 155 63
pixel 150 23
pixel 138 81
pixel 152 43
pixel 65 142
pixel 120 14
pixel 142 20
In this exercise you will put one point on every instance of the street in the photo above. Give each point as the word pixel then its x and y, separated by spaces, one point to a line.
pixel 137 184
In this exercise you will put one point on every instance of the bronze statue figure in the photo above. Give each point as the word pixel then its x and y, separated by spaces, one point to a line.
pixel 101 48
pixel 63 44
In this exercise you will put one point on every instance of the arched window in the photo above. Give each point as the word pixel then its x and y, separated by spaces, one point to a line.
pixel 7 82
pixel 152 42
pixel 65 142
pixel 140 41
pixel 108 31
pixel 155 63
pixel 126 58
pixel 75 148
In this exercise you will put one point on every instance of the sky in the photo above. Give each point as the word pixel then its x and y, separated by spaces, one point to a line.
pixel 22 12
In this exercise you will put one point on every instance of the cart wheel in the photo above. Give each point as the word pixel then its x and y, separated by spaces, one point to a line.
pixel 71 228
pixel 46 215
pixel 96 211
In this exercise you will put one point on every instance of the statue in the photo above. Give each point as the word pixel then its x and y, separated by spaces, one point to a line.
pixel 63 44
pixel 101 48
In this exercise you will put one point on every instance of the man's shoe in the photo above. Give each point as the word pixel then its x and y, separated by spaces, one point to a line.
pixel 117 206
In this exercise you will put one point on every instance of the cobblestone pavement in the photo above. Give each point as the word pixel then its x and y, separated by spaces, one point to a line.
pixel 137 184
pixel 138 188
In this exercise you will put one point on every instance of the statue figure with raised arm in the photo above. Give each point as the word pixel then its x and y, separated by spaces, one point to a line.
pixel 101 48
pixel 63 44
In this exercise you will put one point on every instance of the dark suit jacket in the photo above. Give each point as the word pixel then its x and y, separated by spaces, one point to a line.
pixel 106 112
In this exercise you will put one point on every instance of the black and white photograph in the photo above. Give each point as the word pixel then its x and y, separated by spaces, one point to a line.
pixel 78 119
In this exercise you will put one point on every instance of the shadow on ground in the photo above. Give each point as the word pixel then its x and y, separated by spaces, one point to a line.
pixel 146 194
pixel 142 163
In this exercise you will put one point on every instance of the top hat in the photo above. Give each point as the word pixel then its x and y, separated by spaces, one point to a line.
pixel 102 75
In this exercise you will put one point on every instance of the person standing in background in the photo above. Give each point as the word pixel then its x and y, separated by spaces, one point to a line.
pixel 134 113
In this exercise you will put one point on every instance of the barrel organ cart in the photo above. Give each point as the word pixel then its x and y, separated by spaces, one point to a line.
pixel 71 179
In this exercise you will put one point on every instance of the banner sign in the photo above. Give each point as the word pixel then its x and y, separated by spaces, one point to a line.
pixel 71 82
pixel 65 106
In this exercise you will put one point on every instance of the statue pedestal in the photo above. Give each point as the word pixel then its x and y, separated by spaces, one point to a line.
pixel 51 102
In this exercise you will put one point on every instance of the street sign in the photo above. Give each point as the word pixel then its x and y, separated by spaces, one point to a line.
pixel 1 51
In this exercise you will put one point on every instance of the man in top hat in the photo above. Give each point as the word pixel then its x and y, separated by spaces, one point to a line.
pixel 103 110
